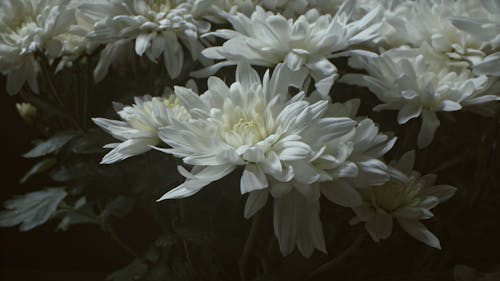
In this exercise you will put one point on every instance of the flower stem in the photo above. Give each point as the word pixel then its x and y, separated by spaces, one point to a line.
pixel 347 252
pixel 109 229
pixel 249 244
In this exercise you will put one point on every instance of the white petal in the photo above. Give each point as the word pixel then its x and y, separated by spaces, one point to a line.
pixel 379 226
pixel 305 172
pixel 408 112
pixel 296 222
pixel 442 192
pixel 295 150
pixel 294 61
pixel 128 149
pixel 247 76
pixel 406 162
pixel 255 201
pixel 280 189
pixel 449 105
pixel 253 178
pixel 430 123
pixel 198 178
pixel 341 193
pixel 418 231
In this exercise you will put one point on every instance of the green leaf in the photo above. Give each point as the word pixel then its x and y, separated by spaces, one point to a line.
pixel 78 170
pixel 81 213
pixel 89 143
pixel 118 207
pixel 51 145
pixel 132 272
pixel 32 209
pixel 39 167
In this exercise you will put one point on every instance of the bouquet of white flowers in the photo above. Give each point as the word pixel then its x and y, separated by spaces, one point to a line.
pixel 323 122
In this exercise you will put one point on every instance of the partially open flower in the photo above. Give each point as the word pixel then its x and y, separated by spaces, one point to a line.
pixel 27 28
pixel 408 198
pixel 484 27
pixel 139 128
pixel 417 85
pixel 27 111
pixel 157 28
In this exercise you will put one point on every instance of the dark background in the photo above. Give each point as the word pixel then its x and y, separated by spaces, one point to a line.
pixel 83 252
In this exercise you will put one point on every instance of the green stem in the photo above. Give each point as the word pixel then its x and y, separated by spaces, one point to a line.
pixel 249 244
pixel 347 252
pixel 112 233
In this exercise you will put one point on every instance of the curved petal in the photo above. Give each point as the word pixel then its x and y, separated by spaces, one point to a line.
pixel 418 231
pixel 430 123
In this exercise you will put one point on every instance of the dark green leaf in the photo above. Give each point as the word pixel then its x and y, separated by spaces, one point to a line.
pixel 32 209
pixel 51 145
pixel 39 167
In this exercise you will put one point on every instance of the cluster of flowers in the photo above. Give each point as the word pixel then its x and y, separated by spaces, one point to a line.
pixel 418 57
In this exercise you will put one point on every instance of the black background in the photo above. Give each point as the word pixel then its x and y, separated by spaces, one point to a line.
pixel 44 254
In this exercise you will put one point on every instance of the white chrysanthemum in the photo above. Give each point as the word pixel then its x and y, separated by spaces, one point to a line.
pixel 139 128
pixel 304 45
pixel 157 29
pixel 287 8
pixel 341 164
pixel 28 27
pixel 254 124
pixel 407 197
pixel 417 85
pixel 428 21
pixel 485 28
pixel 74 41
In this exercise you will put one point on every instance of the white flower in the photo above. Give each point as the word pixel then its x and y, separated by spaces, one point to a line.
pixel 287 8
pixel 28 27
pixel 342 163
pixel 27 112
pixel 408 198
pixel 418 85
pixel 428 22
pixel 254 124
pixel 485 28
pixel 304 44
pixel 157 28
pixel 74 41
pixel 139 130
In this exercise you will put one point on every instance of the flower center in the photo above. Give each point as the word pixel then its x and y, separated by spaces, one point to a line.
pixel 394 195
pixel 249 131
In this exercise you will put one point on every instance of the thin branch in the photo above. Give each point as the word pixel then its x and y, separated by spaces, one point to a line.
pixel 249 244
pixel 109 229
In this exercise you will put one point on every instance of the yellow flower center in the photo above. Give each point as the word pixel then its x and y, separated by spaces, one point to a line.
pixel 394 195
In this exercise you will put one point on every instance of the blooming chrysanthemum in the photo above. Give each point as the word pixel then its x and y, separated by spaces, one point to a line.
pixel 139 128
pixel 287 8
pixel 284 144
pixel 74 41
pixel 304 44
pixel 341 164
pixel 428 22
pixel 157 29
pixel 253 124
pixel 408 197
pixel 29 27
pixel 417 85
pixel 485 28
